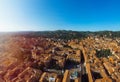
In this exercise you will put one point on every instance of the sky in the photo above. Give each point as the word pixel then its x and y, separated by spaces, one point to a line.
pixel 77 15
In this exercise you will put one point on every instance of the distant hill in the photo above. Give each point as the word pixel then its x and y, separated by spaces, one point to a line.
pixel 64 34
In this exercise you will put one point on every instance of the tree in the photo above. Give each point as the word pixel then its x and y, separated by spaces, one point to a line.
pixel 103 53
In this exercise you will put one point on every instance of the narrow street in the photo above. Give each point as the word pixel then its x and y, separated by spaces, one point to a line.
pixel 83 70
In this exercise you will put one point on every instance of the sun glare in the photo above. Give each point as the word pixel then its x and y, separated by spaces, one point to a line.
pixel 9 29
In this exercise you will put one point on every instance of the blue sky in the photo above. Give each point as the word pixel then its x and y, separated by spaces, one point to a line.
pixel 79 15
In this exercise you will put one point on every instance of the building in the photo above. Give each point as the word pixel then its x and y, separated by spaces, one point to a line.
pixel 66 77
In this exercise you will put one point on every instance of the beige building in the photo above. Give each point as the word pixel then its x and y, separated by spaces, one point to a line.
pixel 66 76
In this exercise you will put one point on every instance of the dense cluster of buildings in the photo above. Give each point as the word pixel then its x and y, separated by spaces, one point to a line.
pixel 41 59
pixel 103 69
